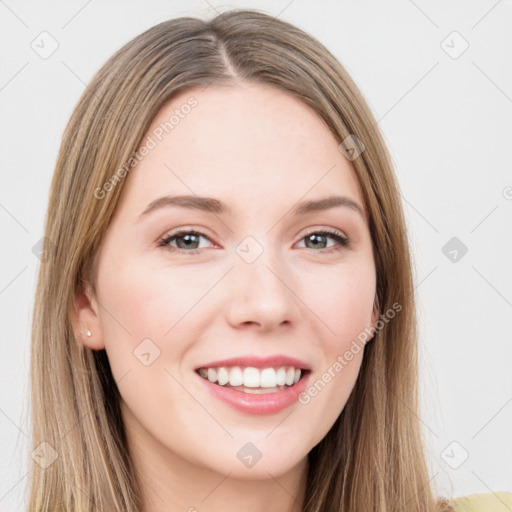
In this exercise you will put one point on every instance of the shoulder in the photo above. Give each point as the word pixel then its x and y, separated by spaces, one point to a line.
pixel 488 502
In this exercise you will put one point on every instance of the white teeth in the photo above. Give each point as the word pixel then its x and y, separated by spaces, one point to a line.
pixel 212 375
pixel 290 376
pixel 281 376
pixel 236 377
pixel 251 377
pixel 222 376
pixel 268 378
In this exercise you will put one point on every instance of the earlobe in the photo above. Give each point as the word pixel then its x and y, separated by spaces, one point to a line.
pixel 85 319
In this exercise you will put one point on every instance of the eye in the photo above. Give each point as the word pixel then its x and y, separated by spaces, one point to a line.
pixel 185 239
pixel 316 238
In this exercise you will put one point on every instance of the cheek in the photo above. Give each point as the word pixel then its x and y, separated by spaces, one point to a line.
pixel 141 326
pixel 152 310
pixel 135 313
pixel 143 303
pixel 342 298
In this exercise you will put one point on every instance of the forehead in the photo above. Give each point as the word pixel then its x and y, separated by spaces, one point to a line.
pixel 245 144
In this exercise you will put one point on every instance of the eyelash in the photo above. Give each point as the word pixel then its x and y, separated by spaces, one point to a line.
pixel 342 240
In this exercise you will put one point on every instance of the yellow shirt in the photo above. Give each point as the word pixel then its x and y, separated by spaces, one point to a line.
pixel 488 502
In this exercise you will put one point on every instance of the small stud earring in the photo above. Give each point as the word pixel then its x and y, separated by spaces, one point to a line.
pixel 86 332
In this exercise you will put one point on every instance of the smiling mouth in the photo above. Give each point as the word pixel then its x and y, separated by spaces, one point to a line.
pixel 253 380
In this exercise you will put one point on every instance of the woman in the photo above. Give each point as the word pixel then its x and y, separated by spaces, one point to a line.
pixel 272 366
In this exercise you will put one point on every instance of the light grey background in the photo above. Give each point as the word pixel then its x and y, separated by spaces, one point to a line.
pixel 447 122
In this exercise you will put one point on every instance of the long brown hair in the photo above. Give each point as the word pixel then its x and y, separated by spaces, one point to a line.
pixel 373 456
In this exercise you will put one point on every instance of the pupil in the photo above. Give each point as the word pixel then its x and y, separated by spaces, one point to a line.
pixel 314 238
pixel 187 240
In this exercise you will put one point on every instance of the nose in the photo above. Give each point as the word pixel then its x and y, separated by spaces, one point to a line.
pixel 261 294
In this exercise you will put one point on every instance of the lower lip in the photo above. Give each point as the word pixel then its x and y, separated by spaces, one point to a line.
pixel 261 404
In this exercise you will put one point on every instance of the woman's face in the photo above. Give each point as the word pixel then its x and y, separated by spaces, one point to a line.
pixel 254 279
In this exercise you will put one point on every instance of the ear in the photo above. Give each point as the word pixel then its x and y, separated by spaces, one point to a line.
pixel 84 317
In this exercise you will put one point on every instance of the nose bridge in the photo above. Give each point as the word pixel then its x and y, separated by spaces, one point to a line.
pixel 261 289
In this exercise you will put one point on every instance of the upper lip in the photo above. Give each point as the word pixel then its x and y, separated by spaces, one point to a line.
pixel 258 362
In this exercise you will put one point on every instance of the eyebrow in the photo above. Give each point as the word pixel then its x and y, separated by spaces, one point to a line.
pixel 211 205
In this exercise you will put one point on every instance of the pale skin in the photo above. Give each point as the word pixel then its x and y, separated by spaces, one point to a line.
pixel 260 151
